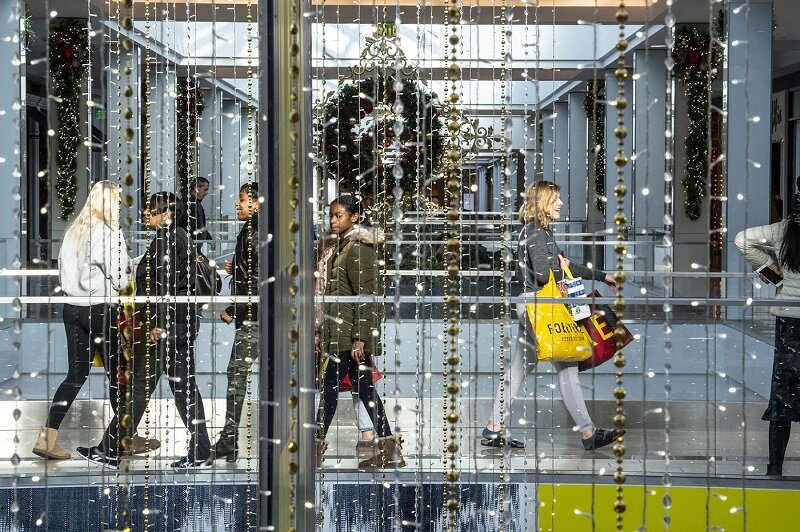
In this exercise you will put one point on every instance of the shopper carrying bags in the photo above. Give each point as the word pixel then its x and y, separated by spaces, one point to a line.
pixel 539 260
pixel 351 330
pixel 758 245
pixel 367 443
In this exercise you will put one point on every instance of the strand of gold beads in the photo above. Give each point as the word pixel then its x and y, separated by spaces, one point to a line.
pixel 501 495
pixel 123 350
pixel 294 269
pixel 453 17
pixel 125 45
pixel 620 191
pixel 445 316
pixel 149 350
pixel 251 290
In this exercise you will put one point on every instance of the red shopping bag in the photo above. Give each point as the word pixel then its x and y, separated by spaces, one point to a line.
pixel 347 383
pixel 600 328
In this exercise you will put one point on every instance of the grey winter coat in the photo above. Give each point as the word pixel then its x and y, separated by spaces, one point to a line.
pixel 755 244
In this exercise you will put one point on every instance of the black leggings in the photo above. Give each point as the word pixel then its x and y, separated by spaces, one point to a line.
pixel 180 368
pixel 88 328
pixel 779 433
pixel 362 382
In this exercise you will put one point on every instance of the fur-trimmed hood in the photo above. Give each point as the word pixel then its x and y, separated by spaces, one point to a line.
pixel 369 235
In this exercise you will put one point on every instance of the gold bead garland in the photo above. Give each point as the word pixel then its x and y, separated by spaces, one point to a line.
pixel 294 183
pixel 453 254
pixel 148 269
pixel 251 290
pixel 124 430
pixel 620 191
pixel 501 488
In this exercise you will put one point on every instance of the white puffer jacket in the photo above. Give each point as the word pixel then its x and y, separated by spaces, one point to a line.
pixel 755 243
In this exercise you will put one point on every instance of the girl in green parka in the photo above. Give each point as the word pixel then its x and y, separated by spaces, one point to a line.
pixel 351 330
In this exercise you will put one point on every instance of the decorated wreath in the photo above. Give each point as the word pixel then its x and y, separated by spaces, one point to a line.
pixel 371 134
pixel 595 107
pixel 69 58
pixel 189 106
pixel 696 66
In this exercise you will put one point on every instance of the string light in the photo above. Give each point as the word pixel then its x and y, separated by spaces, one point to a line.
pixel 504 264
pixel 251 289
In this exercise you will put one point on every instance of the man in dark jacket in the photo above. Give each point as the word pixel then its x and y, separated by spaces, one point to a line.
pixel 194 218
pixel 244 272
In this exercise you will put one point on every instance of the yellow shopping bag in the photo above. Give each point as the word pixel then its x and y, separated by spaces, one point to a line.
pixel 559 338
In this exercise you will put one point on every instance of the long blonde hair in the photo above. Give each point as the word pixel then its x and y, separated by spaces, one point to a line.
pixel 539 200
pixel 102 206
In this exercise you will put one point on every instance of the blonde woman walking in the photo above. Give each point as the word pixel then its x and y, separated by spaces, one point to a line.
pixel 539 254
pixel 93 263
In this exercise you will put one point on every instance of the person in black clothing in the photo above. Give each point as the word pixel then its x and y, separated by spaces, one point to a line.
pixel 244 282
pixel 168 335
pixel 193 218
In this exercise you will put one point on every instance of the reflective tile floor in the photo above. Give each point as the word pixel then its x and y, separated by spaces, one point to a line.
pixel 693 412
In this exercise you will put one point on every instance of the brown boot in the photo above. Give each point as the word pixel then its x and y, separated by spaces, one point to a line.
pixel 321 445
pixel 46 445
pixel 387 457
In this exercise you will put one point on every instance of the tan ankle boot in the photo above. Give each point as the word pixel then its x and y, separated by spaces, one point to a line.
pixel 140 444
pixel 387 457
pixel 47 447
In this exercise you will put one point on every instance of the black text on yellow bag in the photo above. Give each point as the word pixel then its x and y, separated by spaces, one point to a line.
pixel 559 337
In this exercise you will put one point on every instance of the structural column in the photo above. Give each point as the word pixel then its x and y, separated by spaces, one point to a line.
pixel 649 115
pixel 279 263
pixel 125 112
pixel 749 85
pixel 548 146
pixel 611 151
pixel 561 146
pixel 577 156
pixel 208 156
pixel 12 155
pixel 163 129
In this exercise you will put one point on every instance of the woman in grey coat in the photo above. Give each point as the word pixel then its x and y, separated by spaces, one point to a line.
pixel 538 256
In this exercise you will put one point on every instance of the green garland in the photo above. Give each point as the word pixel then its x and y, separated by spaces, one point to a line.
pixel 696 65
pixel 360 121
pixel 595 107
pixel 68 59
pixel 189 106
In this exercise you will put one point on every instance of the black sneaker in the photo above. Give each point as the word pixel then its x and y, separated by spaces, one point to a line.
pixel 601 438
pixel 495 439
pixel 95 455
pixel 193 463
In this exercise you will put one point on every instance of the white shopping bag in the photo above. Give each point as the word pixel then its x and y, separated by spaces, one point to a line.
pixel 575 288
